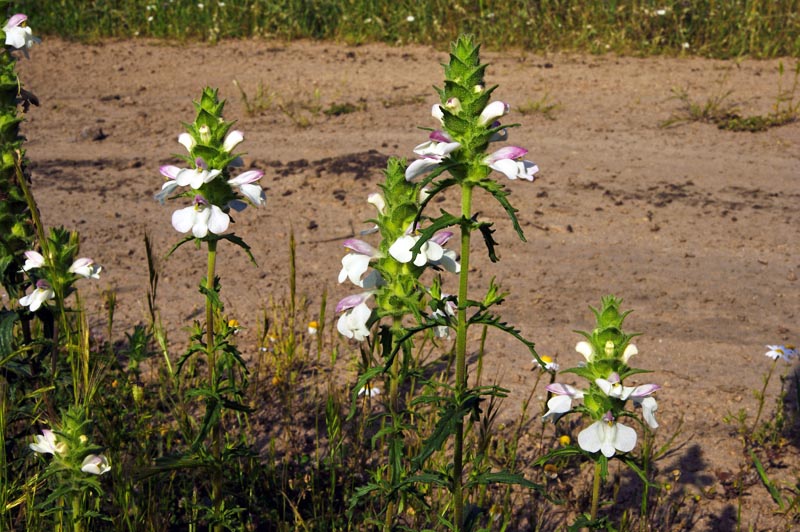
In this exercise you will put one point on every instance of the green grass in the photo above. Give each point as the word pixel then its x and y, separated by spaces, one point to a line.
pixel 727 28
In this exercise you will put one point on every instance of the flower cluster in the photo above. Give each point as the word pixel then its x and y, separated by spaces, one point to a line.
pixel 389 273
pixel 786 352
pixel 48 443
pixel 607 352
pixel 210 142
pixel 469 124
pixel 18 34
pixel 73 455
pixel 53 276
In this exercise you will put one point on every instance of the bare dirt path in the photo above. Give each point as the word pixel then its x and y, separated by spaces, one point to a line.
pixel 696 228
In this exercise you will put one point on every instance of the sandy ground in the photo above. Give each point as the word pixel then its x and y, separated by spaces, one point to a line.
pixel 696 228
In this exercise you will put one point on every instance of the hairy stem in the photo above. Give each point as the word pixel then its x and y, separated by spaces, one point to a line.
pixel 461 357
pixel 216 433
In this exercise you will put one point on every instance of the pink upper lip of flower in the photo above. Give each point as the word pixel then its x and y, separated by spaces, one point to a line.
pixel 16 20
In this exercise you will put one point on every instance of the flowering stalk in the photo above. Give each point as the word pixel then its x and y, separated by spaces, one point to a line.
pixel 390 275
pixel 206 180
pixel 470 123
pixel 16 230
pixel 607 351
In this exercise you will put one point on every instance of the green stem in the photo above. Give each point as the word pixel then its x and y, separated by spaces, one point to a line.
pixel 76 513
pixel 762 396
pixel 394 407
pixel 595 491
pixel 461 357
pixel 216 433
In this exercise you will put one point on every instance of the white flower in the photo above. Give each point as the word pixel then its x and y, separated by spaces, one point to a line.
pixel 430 251
pixel 410 18
pixel 376 199
pixel 443 331
pixel 232 140
pixel 95 464
pixel 33 260
pixel 46 443
pixel 187 141
pixel 630 351
pixel 492 112
pixel 613 387
pixel 353 323
pixel 35 299
pixel 369 391
pixel 438 145
pixel 786 352
pixel 194 177
pixel 649 407
pixel 200 218
pixel 18 34
pixel 586 349
pixel 244 182
pixel 86 267
pixel 561 402
pixel 437 113
pixel 549 363
pixel 607 436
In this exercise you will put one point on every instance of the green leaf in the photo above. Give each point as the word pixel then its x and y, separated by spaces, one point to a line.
pixel 503 477
pixel 774 492
pixel 179 244
pixel 499 193
pixel 363 380
pixel 7 321
pixel 487 231
pixel 233 239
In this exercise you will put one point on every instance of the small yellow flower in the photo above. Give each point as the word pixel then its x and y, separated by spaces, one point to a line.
pixel 313 326
pixel 233 324
pixel 564 440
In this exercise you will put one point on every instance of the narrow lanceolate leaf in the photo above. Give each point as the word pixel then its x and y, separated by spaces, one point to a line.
pixel 774 492
pixel 503 477
pixel 7 321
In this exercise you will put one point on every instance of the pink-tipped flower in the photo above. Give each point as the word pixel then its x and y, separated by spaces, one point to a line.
pixel 169 171
pixel 86 267
pixel 561 402
pixel 18 34
pixel 507 161
pixel 244 182
pixel 47 443
pixel 356 264
pixel 438 145
pixel 492 112
pixel 33 260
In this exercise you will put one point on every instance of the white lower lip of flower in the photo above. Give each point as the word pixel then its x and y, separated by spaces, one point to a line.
pixel 353 323
pixel 607 438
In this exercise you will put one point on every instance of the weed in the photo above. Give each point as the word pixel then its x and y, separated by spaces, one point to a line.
pixel 540 107
pixel 719 111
